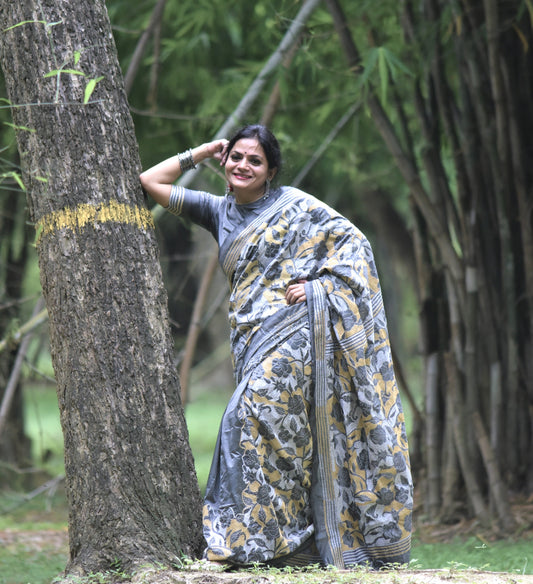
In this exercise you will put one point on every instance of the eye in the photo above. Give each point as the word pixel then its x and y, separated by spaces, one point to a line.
pixel 255 161
pixel 235 157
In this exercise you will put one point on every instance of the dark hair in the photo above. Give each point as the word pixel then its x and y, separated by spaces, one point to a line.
pixel 266 138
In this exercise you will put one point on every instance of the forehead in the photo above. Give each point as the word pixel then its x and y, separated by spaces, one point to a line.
pixel 249 146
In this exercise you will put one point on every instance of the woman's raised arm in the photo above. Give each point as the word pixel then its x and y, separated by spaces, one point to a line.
pixel 158 180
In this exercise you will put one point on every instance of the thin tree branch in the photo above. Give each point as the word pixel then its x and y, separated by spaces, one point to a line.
pixel 12 383
pixel 326 142
pixel 135 62
pixel 32 324
pixel 274 98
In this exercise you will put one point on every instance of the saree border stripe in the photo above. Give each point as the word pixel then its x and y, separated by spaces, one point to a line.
pixel 365 553
pixel 243 239
pixel 326 465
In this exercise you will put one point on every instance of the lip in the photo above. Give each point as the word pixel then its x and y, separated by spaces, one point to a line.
pixel 241 176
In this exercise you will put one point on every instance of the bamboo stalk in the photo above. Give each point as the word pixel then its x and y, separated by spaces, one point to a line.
pixel 135 62
pixel 458 424
pixel 325 143
pixel 450 474
pixel 496 403
pixel 471 375
pixel 433 434
pixel 403 161
pixel 497 486
pixel 195 326
pixel 269 111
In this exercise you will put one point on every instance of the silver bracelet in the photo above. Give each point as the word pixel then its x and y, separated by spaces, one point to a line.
pixel 186 160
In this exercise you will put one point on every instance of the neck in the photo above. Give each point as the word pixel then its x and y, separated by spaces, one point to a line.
pixel 242 198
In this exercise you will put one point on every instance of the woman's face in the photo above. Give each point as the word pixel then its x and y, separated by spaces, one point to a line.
pixel 247 170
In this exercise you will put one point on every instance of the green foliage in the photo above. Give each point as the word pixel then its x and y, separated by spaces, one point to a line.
pixel 43 427
pixel 90 87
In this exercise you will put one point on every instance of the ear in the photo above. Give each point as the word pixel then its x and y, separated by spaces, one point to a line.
pixel 272 173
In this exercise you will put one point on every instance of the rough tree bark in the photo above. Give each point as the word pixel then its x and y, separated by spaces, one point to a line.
pixel 131 485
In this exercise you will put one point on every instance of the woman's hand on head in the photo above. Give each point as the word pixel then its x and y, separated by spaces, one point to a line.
pixel 217 149
pixel 295 293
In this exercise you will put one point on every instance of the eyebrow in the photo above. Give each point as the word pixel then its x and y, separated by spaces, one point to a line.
pixel 252 155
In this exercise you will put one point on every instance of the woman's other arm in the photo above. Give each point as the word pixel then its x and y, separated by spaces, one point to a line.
pixel 158 180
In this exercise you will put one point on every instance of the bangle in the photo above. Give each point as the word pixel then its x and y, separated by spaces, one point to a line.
pixel 186 160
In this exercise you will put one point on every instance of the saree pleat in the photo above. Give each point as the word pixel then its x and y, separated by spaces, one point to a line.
pixel 311 462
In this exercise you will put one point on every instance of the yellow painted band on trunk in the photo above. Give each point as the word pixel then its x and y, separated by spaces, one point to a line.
pixel 83 215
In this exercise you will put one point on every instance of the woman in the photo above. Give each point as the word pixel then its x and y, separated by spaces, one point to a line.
pixel 311 463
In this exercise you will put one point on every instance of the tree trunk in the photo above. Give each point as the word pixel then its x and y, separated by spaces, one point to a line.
pixel 131 485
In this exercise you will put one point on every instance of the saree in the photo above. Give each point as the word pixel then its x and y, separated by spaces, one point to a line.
pixel 311 463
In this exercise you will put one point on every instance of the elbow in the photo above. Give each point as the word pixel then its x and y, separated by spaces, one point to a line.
pixel 146 183
pixel 143 179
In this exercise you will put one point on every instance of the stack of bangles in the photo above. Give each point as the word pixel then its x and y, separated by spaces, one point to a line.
pixel 186 160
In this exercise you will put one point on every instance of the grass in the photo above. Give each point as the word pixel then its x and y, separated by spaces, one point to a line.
pixel 37 560
pixel 31 543
pixel 514 556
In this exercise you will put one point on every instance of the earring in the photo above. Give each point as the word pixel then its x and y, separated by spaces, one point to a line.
pixel 267 186
pixel 229 189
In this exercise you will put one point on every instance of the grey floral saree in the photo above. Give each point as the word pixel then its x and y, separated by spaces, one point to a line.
pixel 311 463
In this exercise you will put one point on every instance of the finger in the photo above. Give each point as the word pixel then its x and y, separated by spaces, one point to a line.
pixel 295 293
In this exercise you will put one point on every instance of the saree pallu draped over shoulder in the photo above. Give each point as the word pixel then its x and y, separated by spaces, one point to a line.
pixel 311 463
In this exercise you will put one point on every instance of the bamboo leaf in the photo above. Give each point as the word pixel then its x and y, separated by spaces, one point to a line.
pixel 90 88
pixel 383 73
pixel 59 71
pixel 370 65
pixel 23 22
pixel 77 57
pixel 15 127
pixel 522 37
pixel 395 63
pixel 16 177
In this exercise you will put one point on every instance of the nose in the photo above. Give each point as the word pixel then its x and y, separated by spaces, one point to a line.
pixel 243 163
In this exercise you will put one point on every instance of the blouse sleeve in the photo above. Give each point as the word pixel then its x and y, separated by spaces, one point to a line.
pixel 198 206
